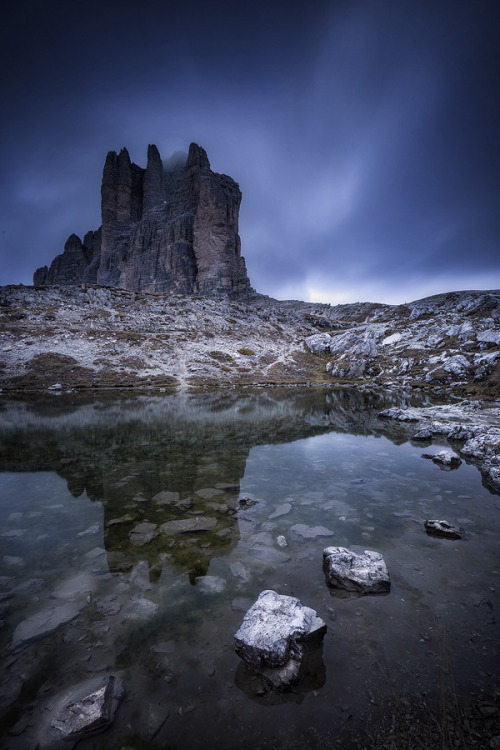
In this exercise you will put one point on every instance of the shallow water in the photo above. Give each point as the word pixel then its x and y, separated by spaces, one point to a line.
pixel 160 609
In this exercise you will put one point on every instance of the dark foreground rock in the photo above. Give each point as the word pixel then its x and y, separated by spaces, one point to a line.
pixel 275 636
pixel 444 529
pixel 362 574
pixel 82 711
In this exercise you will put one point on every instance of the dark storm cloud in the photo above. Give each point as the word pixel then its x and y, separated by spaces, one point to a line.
pixel 363 135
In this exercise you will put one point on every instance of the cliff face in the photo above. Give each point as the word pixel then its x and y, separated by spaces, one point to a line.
pixel 162 231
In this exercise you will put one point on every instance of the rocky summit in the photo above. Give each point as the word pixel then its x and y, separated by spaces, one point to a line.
pixel 164 229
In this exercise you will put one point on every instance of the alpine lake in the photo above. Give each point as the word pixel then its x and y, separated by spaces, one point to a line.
pixel 157 520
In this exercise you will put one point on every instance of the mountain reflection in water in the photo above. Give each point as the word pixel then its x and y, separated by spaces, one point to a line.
pixel 193 447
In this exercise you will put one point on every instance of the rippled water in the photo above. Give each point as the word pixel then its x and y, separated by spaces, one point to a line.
pixel 160 608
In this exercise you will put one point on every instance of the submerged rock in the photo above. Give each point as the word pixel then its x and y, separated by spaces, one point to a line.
pixel 186 525
pixel 275 636
pixel 304 533
pixel 363 574
pixel 42 624
pixel 210 584
pixel 444 529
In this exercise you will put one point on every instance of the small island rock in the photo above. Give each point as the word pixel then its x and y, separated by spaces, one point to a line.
pixel 363 574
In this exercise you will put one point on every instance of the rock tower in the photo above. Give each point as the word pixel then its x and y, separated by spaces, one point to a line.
pixel 163 230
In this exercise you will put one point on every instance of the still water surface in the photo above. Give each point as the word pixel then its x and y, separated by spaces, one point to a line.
pixel 91 494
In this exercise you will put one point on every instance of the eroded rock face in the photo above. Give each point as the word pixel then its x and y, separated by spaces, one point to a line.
pixel 365 573
pixel 163 231
pixel 275 636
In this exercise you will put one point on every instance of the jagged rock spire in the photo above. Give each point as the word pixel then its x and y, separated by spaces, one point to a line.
pixel 162 231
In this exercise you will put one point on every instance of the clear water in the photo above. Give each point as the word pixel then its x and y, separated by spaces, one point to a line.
pixel 79 476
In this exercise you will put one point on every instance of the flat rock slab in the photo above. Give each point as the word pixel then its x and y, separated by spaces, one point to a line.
pixel 276 634
pixel 75 588
pixel 281 510
pixel 143 533
pixel 186 525
pixel 165 497
pixel 42 624
pixel 364 573
pixel 444 529
pixel 84 710
pixel 210 584
pixel 303 533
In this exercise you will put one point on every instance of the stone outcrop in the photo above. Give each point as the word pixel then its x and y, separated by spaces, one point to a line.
pixel 163 231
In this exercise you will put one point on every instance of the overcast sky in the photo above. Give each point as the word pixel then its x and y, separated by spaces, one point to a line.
pixel 364 134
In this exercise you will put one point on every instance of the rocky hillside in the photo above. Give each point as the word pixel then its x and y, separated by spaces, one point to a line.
pixel 87 336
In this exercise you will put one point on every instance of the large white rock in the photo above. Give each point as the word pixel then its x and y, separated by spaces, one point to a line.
pixel 275 636
pixel 365 573
pixel 354 343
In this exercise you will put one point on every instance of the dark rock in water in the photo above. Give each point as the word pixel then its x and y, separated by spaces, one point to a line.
pixel 163 231
pixel 444 529
pixel 86 709
pixel 362 574
pixel 275 636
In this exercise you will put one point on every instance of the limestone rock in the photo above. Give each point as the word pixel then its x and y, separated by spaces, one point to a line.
pixel 275 636
pixel 171 230
pixel 363 574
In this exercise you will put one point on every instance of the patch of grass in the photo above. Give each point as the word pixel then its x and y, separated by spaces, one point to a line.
pixel 220 356
pixel 132 337
pixel 133 362
pixel 246 351
pixel 45 370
